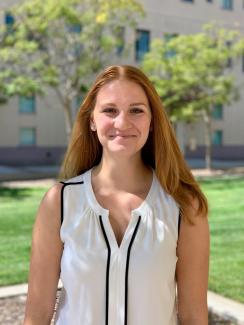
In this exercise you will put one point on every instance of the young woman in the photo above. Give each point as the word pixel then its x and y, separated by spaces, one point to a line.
pixel 129 223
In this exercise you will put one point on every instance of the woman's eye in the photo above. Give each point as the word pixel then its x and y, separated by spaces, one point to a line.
pixel 136 110
pixel 109 110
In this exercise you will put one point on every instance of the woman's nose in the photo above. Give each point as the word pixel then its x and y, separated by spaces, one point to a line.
pixel 121 121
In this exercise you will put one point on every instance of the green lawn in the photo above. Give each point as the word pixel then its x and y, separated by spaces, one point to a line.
pixel 18 207
pixel 226 200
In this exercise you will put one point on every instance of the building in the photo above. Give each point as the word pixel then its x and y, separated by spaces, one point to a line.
pixel 32 130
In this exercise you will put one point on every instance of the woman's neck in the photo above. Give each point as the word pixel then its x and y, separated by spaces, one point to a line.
pixel 121 174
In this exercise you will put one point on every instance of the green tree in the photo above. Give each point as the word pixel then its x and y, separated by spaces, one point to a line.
pixel 62 44
pixel 192 73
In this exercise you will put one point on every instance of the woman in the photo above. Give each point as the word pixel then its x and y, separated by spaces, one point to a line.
pixel 128 224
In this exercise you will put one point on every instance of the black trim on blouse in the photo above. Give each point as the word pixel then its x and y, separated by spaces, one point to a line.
pixel 107 271
pixel 126 273
pixel 62 197
pixel 179 222
pixel 127 268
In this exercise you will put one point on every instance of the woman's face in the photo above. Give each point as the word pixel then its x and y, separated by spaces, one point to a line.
pixel 121 117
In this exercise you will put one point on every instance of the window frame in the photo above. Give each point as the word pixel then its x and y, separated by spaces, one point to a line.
pixel 24 143
pixel 27 98
pixel 138 56
pixel 214 137
pixel 227 6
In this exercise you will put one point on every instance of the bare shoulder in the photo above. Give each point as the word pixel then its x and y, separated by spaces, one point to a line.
pixel 50 206
pixel 200 224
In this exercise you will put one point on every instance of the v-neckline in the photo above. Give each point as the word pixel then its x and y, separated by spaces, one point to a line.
pixel 135 213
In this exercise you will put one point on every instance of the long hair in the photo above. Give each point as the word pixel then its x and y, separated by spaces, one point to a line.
pixel 161 150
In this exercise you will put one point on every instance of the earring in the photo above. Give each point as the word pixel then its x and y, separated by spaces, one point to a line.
pixel 93 127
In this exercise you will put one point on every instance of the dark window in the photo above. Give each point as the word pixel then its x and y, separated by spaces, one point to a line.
pixel 74 28
pixel 9 19
pixel 227 4
pixel 188 0
pixel 27 136
pixel 168 37
pixel 229 60
pixel 27 104
pixel 217 113
pixel 209 0
pixel 9 22
pixel 75 31
pixel 142 43
pixel 121 40
pixel 217 138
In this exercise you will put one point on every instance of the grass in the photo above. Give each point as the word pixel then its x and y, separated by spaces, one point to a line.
pixel 18 207
pixel 226 219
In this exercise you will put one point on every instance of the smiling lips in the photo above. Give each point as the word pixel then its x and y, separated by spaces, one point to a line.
pixel 122 136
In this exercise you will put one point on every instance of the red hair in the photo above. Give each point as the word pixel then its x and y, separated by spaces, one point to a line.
pixel 161 150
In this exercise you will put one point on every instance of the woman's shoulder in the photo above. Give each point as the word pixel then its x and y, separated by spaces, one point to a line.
pixel 78 179
pixel 52 198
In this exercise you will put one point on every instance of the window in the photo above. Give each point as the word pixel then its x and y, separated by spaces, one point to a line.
pixel 217 138
pixel 188 0
pixel 209 0
pixel 142 43
pixel 74 28
pixel 227 4
pixel 229 60
pixel 121 40
pixel 27 104
pixel 217 113
pixel 9 19
pixel 9 22
pixel 167 38
pixel 27 136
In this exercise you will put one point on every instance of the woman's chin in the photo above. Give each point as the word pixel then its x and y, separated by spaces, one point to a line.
pixel 121 151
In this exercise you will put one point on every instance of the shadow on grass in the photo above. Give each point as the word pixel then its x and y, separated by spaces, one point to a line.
pixel 15 193
pixel 222 183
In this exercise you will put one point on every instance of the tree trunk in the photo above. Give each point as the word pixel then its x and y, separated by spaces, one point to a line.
pixel 68 118
pixel 208 140
pixel 180 134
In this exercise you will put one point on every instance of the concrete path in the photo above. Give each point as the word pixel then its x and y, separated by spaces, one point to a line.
pixel 220 167
pixel 225 308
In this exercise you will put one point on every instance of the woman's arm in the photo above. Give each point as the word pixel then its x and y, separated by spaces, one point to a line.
pixel 192 271
pixel 45 260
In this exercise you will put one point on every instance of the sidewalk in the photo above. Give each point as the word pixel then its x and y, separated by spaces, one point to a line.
pixel 226 309
pixel 220 167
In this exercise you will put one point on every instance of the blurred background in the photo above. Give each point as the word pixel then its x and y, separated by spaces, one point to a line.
pixel 192 51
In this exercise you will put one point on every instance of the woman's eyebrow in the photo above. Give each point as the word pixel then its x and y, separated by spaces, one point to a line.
pixel 132 104
pixel 108 104
pixel 137 104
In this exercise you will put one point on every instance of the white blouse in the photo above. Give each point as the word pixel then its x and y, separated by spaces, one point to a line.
pixel 107 284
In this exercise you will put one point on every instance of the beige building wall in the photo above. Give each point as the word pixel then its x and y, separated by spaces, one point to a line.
pixel 162 16
pixel 48 120
pixel 180 17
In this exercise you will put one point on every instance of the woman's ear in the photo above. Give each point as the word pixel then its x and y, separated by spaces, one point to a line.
pixel 93 126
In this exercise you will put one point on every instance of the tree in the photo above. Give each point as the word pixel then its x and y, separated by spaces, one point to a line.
pixel 62 44
pixel 192 73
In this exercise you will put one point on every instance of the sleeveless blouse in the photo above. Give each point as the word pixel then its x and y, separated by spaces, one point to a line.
pixel 107 284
